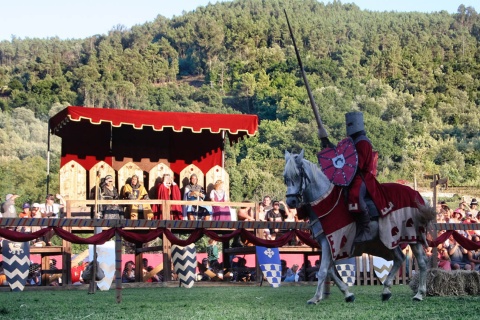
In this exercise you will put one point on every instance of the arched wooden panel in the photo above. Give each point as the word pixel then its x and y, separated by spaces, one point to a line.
pixel 104 169
pixel 156 173
pixel 126 172
pixel 187 172
pixel 73 181
pixel 214 174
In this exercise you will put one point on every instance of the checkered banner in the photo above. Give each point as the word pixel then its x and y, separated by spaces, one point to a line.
pixel 16 263
pixel 269 261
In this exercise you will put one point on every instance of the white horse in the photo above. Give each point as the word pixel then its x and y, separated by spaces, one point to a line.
pixel 333 227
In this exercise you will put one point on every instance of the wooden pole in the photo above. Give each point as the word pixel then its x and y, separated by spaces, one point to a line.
pixel 118 267
pixel 93 284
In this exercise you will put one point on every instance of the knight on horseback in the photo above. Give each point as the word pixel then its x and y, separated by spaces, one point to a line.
pixel 364 194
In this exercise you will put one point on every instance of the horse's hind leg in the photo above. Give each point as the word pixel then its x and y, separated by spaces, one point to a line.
pixel 419 253
pixel 349 297
pixel 398 258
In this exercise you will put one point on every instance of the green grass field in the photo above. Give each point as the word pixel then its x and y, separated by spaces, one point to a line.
pixel 231 302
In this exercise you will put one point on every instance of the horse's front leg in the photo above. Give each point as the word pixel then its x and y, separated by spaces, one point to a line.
pixel 332 272
pixel 419 253
pixel 398 258
pixel 325 265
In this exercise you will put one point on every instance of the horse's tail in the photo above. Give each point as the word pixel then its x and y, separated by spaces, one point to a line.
pixel 427 214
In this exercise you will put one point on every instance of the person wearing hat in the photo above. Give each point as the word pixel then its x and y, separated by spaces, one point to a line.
pixel 457 216
pixel 26 211
pixel 473 207
pixel 8 207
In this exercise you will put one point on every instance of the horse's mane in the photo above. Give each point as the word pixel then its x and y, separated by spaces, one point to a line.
pixel 313 172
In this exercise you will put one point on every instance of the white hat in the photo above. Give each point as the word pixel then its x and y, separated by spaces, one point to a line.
pixel 8 196
pixel 36 205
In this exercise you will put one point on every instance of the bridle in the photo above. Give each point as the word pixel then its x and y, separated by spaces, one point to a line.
pixel 304 179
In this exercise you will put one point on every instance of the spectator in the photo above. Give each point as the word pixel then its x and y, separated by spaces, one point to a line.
pixel 50 209
pixel 212 253
pixel 284 267
pixel 55 280
pixel 292 274
pixel 34 277
pixel 267 203
pixel 3 277
pixel 134 190
pixel 128 274
pixel 8 207
pixel 108 191
pixel 218 194
pixel 153 278
pixel 25 214
pixel 167 189
pixel 473 207
pixel 458 256
pixel 457 216
pixel 26 211
pixel 474 255
pixel 443 258
pixel 244 214
pixel 274 215
pixel 194 192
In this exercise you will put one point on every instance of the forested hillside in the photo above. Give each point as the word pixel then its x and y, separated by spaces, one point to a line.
pixel 416 76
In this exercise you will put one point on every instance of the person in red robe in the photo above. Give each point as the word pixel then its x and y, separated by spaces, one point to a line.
pixel 167 189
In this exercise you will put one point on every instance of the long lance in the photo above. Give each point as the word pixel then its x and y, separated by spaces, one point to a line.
pixel 322 132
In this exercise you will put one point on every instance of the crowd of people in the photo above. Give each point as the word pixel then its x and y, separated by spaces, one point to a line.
pixel 450 254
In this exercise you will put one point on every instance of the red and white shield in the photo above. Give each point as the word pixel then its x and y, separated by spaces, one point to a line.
pixel 339 164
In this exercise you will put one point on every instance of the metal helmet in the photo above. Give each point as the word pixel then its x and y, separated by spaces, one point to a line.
pixel 354 122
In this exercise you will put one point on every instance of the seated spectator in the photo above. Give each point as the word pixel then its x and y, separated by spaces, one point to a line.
pixel 26 211
pixel 473 207
pixel 242 273
pixel 167 189
pixel 244 214
pixel 203 267
pixel 134 190
pixel 128 274
pixel 274 215
pixel 34 277
pixel 292 274
pixel 52 210
pixel 3 277
pixel 194 192
pixel 443 258
pixel 458 256
pixel 25 214
pixel 283 264
pixel 474 255
pixel 456 217
pixel 218 194
pixel 153 278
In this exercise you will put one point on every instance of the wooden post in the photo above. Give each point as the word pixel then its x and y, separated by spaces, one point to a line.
pixel 167 255
pixel 118 267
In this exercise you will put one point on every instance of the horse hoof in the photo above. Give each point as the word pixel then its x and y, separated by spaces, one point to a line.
pixel 310 302
pixel 350 298
pixel 417 299
pixel 386 296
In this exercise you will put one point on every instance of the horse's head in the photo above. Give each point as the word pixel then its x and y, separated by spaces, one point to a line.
pixel 295 178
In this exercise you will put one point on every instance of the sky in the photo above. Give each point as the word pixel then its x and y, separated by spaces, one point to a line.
pixel 69 19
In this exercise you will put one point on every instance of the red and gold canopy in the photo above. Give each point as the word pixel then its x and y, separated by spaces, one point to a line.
pixel 90 135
